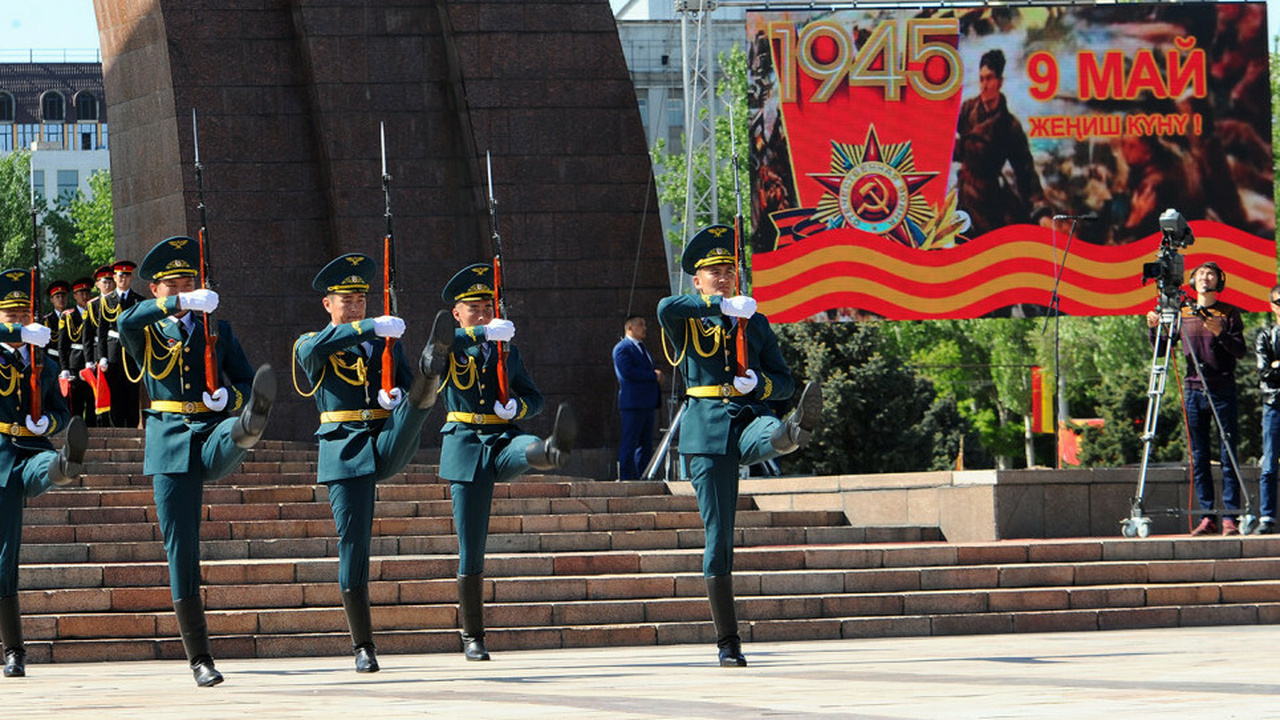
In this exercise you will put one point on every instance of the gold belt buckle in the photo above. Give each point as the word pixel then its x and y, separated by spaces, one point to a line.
pixel 726 390
pixel 477 419
pixel 366 414
pixel 188 407
pixel 14 429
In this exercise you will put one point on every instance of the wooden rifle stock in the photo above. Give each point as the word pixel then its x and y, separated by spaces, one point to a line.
pixel 202 238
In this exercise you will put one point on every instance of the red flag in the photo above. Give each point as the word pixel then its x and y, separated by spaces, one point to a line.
pixel 101 392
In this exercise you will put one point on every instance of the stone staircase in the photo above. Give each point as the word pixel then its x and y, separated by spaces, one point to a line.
pixel 574 563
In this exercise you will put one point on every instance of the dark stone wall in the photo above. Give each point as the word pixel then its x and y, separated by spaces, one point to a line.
pixel 290 94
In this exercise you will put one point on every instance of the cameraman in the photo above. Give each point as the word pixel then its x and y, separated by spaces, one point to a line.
pixel 1267 348
pixel 1213 332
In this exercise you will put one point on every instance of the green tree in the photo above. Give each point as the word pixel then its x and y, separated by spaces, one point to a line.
pixel 669 163
pixel 94 236
pixel 880 415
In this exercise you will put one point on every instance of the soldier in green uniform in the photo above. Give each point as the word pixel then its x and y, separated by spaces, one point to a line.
pixel 727 423
pixel 482 445
pixel 193 436
pixel 28 463
pixel 367 434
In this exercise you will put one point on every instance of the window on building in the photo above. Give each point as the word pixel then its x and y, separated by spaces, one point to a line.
pixel 27 134
pixel 86 107
pixel 53 133
pixel 102 142
pixel 6 107
pixel 675 123
pixel 87 136
pixel 68 185
pixel 37 179
pixel 6 138
pixel 53 108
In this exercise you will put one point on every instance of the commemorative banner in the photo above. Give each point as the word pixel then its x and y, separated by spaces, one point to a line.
pixel 931 163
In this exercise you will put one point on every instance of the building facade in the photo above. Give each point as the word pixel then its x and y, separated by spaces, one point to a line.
pixel 58 110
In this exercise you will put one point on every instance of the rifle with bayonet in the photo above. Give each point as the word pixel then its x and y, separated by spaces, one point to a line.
pixel 739 252
pixel 37 353
pixel 202 239
pixel 499 306
pixel 390 305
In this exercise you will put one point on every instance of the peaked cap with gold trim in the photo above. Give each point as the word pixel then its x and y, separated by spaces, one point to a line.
pixel 711 246
pixel 473 282
pixel 350 273
pixel 15 288
pixel 178 256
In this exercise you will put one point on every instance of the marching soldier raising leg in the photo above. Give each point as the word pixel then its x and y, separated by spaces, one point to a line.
pixel 193 434
pixel 367 433
pixel 727 423
pixel 30 464
pixel 482 446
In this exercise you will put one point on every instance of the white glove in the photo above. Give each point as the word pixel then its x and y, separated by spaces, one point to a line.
pixel 40 426
pixel 88 366
pixel 388 326
pixel 102 365
pixel 739 306
pixel 36 334
pixel 746 383
pixel 499 330
pixel 389 401
pixel 201 300
pixel 216 402
pixel 506 412
pixel 65 374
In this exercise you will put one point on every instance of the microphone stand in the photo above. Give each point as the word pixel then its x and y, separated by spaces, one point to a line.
pixel 1055 311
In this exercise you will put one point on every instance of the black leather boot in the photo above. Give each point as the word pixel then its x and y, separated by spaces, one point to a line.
pixel 797 428
pixel 356 602
pixel 471 607
pixel 70 463
pixel 553 453
pixel 435 356
pixel 195 640
pixel 253 419
pixel 15 652
pixel 725 617
pixel 432 362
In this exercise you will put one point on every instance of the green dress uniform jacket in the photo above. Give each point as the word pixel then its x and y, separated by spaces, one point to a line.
pixel 373 445
pixel 24 459
pixel 345 380
pixel 188 445
pixel 471 388
pixel 722 429
pixel 173 371
pixel 704 342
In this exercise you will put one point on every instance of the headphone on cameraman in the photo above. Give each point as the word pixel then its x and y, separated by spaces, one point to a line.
pixel 1222 277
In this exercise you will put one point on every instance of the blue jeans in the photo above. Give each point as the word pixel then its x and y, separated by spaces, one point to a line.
pixel 1200 422
pixel 1270 446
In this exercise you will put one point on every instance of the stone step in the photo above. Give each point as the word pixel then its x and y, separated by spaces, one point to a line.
pixel 263 521
pixel 217 545
pixel 405 486
pixel 243 634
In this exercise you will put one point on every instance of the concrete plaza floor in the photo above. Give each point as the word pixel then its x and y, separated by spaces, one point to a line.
pixel 1218 672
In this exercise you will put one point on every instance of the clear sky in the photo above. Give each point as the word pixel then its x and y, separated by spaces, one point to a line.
pixel 70 25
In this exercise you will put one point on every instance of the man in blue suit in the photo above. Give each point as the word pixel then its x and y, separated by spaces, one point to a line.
pixel 638 391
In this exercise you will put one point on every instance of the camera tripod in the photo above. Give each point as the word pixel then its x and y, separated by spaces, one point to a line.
pixel 1169 329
